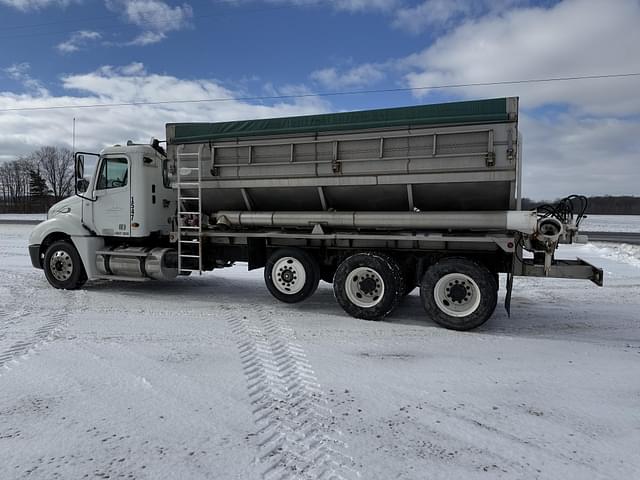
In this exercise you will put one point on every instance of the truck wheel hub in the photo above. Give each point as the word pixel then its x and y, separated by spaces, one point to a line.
pixel 61 265
pixel 289 275
pixel 368 286
pixel 364 287
pixel 457 295
pixel 458 292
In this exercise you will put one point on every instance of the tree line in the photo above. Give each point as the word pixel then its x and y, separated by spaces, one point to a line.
pixel 32 183
pixel 599 205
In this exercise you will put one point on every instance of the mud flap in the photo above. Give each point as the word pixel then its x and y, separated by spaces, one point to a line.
pixel 257 254
pixel 507 297
pixel 515 265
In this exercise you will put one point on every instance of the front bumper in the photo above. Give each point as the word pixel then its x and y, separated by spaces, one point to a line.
pixel 34 253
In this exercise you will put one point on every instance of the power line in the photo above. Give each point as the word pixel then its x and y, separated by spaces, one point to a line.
pixel 325 94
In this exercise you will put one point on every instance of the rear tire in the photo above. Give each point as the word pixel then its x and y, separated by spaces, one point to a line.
pixel 368 285
pixel 458 293
pixel 63 266
pixel 291 275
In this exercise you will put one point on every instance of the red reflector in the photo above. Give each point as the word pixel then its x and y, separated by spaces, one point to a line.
pixel 510 245
pixel 135 225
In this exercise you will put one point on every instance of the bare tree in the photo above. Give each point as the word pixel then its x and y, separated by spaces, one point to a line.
pixel 14 184
pixel 56 166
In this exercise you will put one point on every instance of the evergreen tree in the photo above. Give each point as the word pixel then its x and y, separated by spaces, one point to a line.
pixel 37 184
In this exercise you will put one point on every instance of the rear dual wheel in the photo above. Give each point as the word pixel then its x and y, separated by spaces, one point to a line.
pixel 458 293
pixel 368 285
pixel 291 275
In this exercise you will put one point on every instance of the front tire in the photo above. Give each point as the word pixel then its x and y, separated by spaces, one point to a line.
pixel 63 266
pixel 291 275
pixel 368 285
pixel 458 293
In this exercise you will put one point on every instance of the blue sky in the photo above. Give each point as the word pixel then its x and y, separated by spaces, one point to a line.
pixel 581 136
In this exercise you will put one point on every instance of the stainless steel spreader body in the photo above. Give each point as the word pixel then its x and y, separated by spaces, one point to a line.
pixel 460 156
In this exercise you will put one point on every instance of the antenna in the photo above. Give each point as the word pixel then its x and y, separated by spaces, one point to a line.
pixel 73 139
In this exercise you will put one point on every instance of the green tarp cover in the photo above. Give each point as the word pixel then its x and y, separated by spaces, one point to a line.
pixel 478 111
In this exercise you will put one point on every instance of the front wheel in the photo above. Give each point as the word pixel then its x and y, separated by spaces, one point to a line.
pixel 458 293
pixel 291 275
pixel 63 266
pixel 368 285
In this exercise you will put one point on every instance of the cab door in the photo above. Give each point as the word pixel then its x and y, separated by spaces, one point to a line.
pixel 112 208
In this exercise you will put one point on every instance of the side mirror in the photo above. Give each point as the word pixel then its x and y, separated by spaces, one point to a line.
pixel 81 185
pixel 80 167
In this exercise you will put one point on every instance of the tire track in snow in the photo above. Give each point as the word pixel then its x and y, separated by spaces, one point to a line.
pixel 55 322
pixel 12 310
pixel 296 434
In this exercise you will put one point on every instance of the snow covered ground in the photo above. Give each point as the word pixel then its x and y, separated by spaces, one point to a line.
pixel 210 377
pixel 611 223
pixel 23 216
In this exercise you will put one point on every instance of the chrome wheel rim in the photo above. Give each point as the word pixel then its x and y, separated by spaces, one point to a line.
pixel 457 295
pixel 61 265
pixel 288 275
pixel 364 287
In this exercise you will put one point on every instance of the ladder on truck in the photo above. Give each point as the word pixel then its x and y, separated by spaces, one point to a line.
pixel 189 235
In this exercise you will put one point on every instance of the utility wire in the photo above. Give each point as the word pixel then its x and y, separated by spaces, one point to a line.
pixel 325 94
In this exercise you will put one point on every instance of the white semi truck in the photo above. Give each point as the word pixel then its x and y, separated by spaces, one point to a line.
pixel 376 202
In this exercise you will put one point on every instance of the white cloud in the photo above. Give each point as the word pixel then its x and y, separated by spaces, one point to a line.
pixel 359 76
pixel 24 131
pixel 432 13
pixel 580 136
pixel 568 154
pixel 362 5
pixel 77 40
pixel 135 68
pixel 575 37
pixel 442 14
pixel 343 5
pixel 147 38
pixel 25 5
pixel 20 73
pixel 154 17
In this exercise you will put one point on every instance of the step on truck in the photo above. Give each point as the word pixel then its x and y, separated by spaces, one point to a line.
pixel 376 202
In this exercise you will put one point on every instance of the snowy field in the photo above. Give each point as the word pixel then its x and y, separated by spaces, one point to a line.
pixel 211 378
pixel 611 223
pixel 23 216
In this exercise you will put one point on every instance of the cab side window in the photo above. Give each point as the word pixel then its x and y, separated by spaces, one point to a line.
pixel 114 173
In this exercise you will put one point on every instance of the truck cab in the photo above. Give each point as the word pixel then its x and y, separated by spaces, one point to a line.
pixel 127 206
